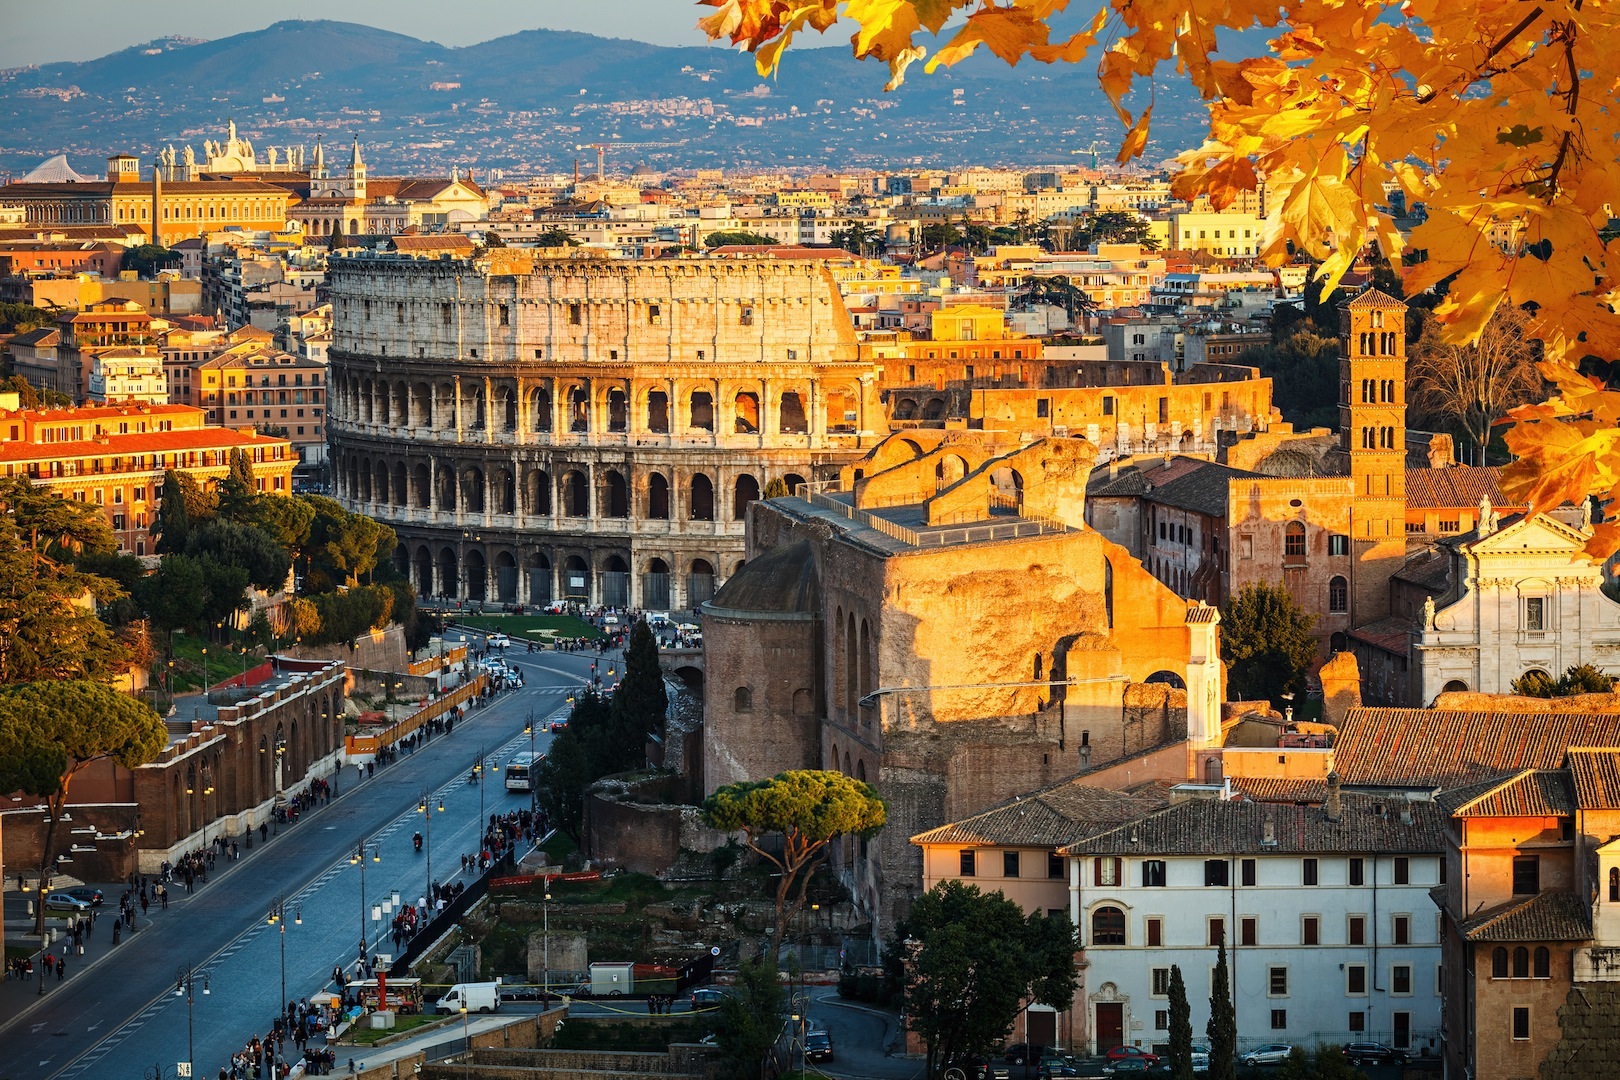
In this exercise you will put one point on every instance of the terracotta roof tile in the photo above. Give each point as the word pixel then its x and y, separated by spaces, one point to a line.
pixel 150 442
pixel 1442 748
pixel 1455 486
pixel 1239 826
pixel 1531 793
pixel 1596 775
pixel 1271 789
pixel 1547 916
pixel 1392 633
pixel 1047 818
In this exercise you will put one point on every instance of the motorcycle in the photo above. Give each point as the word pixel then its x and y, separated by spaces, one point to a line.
pixel 418 841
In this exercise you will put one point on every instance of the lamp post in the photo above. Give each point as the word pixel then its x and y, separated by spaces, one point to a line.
pixel 545 947
pixel 277 917
pixel 359 859
pixel 534 794
pixel 426 810
pixel 185 985
pixel 205 672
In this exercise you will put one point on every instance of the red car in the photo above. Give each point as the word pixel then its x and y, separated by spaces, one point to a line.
pixel 1120 1053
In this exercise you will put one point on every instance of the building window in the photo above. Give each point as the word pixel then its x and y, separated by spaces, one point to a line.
pixel 1043 408
pixel 1215 872
pixel 1153 873
pixel 1526 875
pixel 1499 962
pixel 1358 872
pixel 1543 968
pixel 1403 870
pixel 1358 1021
pixel 1338 595
pixel 1054 865
pixel 1245 547
pixel 1521 1023
pixel 1310 930
pixel 1247 868
pixel 1355 979
pixel 1400 979
pixel 1535 613
pixel 1309 872
pixel 1614 884
pixel 1108 926
pixel 1217 932
pixel 1294 540
pixel 1403 930
pixel 967 863
pixel 1358 930
pixel 1155 932
pixel 1279 1019
pixel 1161 1019
pixel 1279 982
pixel 1248 930
pixel 1521 963
pixel 1161 982
pixel 1106 871
pixel 1009 864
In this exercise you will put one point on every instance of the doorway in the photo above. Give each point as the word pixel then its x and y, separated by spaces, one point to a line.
pixel 1110 1025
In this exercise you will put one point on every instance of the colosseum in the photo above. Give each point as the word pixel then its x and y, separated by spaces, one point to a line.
pixel 587 429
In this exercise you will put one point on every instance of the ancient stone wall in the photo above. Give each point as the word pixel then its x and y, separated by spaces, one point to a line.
pixel 760 697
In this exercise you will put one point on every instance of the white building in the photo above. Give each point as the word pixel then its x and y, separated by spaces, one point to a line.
pixel 1325 910
pixel 1524 596
pixel 132 373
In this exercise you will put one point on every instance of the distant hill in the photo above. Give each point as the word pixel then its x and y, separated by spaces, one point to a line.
pixel 526 101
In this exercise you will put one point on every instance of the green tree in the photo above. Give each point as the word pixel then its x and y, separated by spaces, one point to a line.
pixel 640 703
pixel 343 547
pixel 1116 227
pixel 939 235
pixel 739 238
pixel 52 731
pixel 777 488
pixel 286 519
pixel 750 1020
pixel 236 490
pixel 807 808
pixel 28 395
pixel 1266 643
pixel 1181 1065
pixel 147 259
pixel 175 595
pixel 234 544
pixel 1297 1066
pixel 172 522
pixel 1222 1027
pixel 1576 679
pixel 977 961
pixel 1330 1064
pixel 21 318
pixel 556 238
pixel 568 769
pixel 1304 373
pixel 858 236
pixel 226 591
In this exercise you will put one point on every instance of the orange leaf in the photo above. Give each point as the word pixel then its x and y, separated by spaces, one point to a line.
pixel 1135 139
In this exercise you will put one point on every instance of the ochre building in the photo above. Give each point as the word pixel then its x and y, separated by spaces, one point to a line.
pixel 540 428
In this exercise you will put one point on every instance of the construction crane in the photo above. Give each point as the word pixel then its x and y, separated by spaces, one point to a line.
pixel 601 157
pixel 1093 150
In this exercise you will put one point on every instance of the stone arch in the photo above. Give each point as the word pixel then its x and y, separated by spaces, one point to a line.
pixel 576 496
pixel 506 407
pixel 579 409
pixel 948 470
pixel 1454 686
pixel 658 496
pixel 840 406
pixel 794 482
pixel 539 570
pixel 449 573
pixel 367 402
pixel 658 412
pixel 505 491
pixel 424 571
pixel 379 487
pixel 655 586
pixel 506 577
pixel 1007 487
pixel 852 664
pixel 445 406
pixel 905 408
pixel 472 405
pixel 422 405
pixel 447 488
pixel 472 489
pixel 745 413
pixel 402 404
pixel 540 411
pixel 618 410
pixel 700 411
pixel 421 487
pixel 365 481
pixel 699 582
pixel 701 502
pixel 934 408
pixel 576 582
pixel 1338 594
pixel 791 416
pixel 615 582
pixel 868 658
pixel 537 493
pixel 615 495
pixel 745 491
pixel 401 494
pixel 1168 678
pixel 477 575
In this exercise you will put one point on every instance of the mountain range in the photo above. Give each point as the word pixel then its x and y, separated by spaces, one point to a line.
pixel 532 101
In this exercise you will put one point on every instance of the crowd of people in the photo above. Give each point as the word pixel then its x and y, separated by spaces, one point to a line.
pixel 265 1057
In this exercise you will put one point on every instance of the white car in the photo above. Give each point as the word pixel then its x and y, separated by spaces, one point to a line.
pixel 1269 1054
pixel 499 641
pixel 1200 1058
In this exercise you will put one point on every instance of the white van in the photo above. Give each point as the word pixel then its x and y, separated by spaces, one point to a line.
pixel 473 997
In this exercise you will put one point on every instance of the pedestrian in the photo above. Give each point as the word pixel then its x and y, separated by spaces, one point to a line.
pixel 143 903
pixel 115 933
pixel 61 969
pixel 163 897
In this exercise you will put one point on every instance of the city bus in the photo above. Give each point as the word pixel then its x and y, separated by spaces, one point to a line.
pixel 519 772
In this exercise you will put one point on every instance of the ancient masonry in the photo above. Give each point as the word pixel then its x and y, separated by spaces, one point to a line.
pixel 580 428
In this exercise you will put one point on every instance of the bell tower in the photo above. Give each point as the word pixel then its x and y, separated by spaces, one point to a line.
pixel 1372 429
pixel 357 174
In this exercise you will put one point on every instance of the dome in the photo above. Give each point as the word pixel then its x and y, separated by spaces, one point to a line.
pixel 782 583
pixel 643 170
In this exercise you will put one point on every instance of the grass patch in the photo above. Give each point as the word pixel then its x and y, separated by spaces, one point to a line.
pixel 189 663
pixel 20 952
pixel 369 1036
pixel 505 951
pixel 558 847
pixel 651 1036
pixel 530 626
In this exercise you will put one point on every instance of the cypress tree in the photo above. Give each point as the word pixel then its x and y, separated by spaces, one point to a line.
pixel 1222 1027
pixel 172 523
pixel 1181 1067
pixel 640 702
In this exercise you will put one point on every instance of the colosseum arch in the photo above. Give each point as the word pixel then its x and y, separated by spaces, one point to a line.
pixel 477 575
pixel 842 409
pixel 934 408
pixel 904 408
pixel 701 503
pixel 791 415
pixel 699 583
pixel 505 491
pixel 576 579
pixel 615 582
pixel 385 400
pixel 365 481
pixel 401 496
pixel 1007 488
pixel 540 411
pixel 506 407
pixel 793 481
pixel 539 571
pixel 615 495
pixel 472 489
pixel 948 470
pixel 658 412
pixel 472 405
pixel 421 487
pixel 402 404
pixel 449 573
pixel 421 405
pixel 658 496
pixel 655 586
pixel 575 494
pixel 579 409
pixel 618 410
pixel 445 405
pixel 424 571
pixel 745 413
pixel 446 484
pixel 537 493
pixel 700 411
pixel 506 577
pixel 745 492
pixel 402 560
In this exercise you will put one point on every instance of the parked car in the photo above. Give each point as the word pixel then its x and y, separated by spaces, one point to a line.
pixel 1372 1053
pixel 1129 1066
pixel 1269 1054
pixel 1120 1053
pixel 707 998
pixel 90 896
pixel 1200 1058
pixel 974 1068
pixel 817 1046
pixel 61 901
pixel 1056 1066
pixel 1018 1053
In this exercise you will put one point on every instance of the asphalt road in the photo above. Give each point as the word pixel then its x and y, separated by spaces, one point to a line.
pixel 117 1014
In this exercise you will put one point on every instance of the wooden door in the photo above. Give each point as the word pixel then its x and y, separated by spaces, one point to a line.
pixel 1110 1025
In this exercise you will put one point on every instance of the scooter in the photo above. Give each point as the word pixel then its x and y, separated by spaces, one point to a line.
pixel 418 841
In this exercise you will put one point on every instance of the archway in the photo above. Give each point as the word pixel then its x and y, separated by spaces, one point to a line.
pixel 579 409
pixel 1168 678
pixel 791 420
pixel 794 482
pixel 539 579
pixel 401 496
pixel 575 494
pixel 658 412
pixel 537 493
pixel 701 411
pixel 540 411
pixel 934 409
pixel 617 495
pixel 506 406
pixel 699 583
pixel 472 489
pixel 615 583
pixel 449 574
pixel 505 492
pixel 702 501
pixel 948 471
pixel 576 581
pixel 658 497
pixel 477 575
pixel 421 487
pixel 506 578
pixel 745 413
pixel 1454 686
pixel 618 406
pixel 424 571
pixel 655 586
pixel 747 491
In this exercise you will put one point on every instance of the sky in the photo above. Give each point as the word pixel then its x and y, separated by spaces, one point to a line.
pixel 39 32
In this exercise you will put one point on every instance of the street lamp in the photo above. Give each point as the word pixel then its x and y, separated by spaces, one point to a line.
pixel 545 947
pixel 185 986
pixel 277 917
pixel 425 809
pixel 534 794
pixel 205 672
pixel 359 859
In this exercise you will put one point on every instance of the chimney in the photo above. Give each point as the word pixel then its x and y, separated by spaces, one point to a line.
pixel 1268 833
pixel 1334 804
pixel 1406 813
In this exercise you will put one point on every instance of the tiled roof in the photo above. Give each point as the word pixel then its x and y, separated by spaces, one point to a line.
pixel 1595 772
pixel 1239 826
pixel 1203 490
pixel 1374 298
pixel 1271 789
pixel 1428 569
pixel 44 335
pixel 1392 633
pixel 1047 818
pixel 1455 487
pixel 1530 793
pixel 150 442
pixel 1546 916
pixel 1442 748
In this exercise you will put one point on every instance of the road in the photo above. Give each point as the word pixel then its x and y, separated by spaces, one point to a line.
pixel 120 1016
